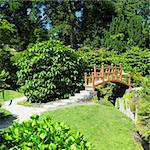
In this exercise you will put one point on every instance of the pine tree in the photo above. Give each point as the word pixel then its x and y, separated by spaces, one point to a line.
pixel 128 29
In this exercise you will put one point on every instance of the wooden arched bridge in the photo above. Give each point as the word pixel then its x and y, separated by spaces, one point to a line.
pixel 107 74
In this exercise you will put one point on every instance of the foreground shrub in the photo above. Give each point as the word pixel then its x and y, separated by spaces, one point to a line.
pixel 50 70
pixel 42 134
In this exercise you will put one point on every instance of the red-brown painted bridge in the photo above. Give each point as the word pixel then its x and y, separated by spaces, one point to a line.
pixel 105 75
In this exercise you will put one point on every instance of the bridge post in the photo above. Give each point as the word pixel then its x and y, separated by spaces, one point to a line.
pixel 102 71
pixel 112 71
pixel 120 71
pixel 93 80
pixel 112 68
pixel 109 72
pixel 85 79
pixel 129 81
pixel 95 70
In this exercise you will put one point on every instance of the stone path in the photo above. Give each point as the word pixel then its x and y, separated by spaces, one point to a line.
pixel 23 113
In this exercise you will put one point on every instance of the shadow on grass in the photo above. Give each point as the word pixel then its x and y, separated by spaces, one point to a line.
pixel 7 121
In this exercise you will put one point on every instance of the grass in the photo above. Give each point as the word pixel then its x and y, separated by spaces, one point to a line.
pixel 105 127
pixel 10 94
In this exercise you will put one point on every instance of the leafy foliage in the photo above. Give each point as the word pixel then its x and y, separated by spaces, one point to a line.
pixel 96 17
pixel 42 134
pixel 50 70
pixel 25 18
pixel 134 60
pixel 7 70
pixel 131 8
pixel 137 59
pixel 4 76
pixel 129 100
pixel 144 111
pixel 106 102
pixel 82 22
pixel 5 25
pixel 124 34
pixel 6 29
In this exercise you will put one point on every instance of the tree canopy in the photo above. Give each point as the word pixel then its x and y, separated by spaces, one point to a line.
pixel 59 38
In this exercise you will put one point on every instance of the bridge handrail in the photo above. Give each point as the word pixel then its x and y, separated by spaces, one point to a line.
pixel 112 73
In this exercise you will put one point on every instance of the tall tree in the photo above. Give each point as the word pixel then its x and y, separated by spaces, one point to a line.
pixel 130 28
pixel 73 22
pixel 130 8
pixel 96 16
pixel 25 17
pixel 64 22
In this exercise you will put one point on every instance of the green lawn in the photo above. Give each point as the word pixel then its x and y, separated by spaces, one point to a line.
pixel 105 127
pixel 10 94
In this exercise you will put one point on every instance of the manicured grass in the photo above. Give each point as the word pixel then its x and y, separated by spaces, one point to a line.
pixel 105 127
pixel 10 94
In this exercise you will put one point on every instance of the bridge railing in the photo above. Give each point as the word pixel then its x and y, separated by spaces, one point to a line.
pixel 111 73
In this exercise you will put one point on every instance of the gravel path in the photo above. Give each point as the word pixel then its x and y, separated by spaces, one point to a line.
pixel 23 113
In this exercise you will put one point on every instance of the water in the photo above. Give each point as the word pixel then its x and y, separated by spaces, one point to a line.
pixel 7 121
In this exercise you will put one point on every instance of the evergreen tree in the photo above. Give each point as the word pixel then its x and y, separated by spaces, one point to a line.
pixel 128 29
pixel 79 22
pixel 96 17
pixel 64 21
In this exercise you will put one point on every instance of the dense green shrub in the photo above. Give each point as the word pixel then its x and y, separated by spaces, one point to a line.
pixel 50 70
pixel 144 111
pixel 98 56
pixel 8 76
pixel 134 60
pixel 4 77
pixel 40 134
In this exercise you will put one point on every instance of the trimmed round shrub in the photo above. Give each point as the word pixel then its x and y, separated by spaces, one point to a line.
pixel 50 70
pixel 42 134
